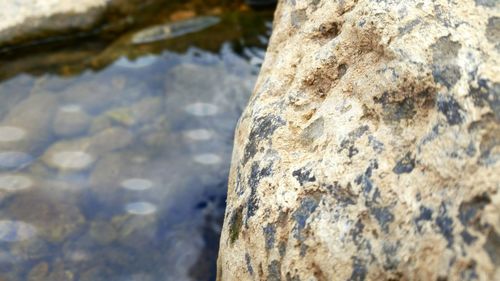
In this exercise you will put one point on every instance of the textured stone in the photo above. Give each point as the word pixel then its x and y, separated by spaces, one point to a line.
pixel 370 147
pixel 24 18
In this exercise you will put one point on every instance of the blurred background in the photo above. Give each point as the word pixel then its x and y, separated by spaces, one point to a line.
pixel 115 141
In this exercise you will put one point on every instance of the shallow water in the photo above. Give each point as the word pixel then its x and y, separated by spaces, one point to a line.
pixel 120 173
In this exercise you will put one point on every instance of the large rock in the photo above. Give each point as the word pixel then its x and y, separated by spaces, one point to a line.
pixel 27 18
pixel 370 147
pixel 22 21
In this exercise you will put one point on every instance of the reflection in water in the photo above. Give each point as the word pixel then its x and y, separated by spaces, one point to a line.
pixel 120 174
pixel 199 134
pixel 137 63
pixel 171 30
pixel 207 159
pixel 140 208
pixel 137 184
pixel 202 109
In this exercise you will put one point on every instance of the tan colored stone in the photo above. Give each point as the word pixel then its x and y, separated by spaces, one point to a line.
pixel 370 147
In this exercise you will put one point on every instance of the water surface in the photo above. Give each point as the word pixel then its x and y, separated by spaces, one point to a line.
pixel 114 160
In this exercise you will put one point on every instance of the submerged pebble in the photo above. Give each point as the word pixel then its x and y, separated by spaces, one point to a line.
pixel 13 182
pixel 72 160
pixel 70 120
pixel 12 231
pixel 202 109
pixel 11 134
pixel 137 184
pixel 207 159
pixel 14 159
pixel 140 208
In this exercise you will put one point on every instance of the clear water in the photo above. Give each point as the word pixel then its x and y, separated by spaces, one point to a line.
pixel 120 174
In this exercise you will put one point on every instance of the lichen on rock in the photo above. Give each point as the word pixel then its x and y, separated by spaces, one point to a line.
pixel 370 149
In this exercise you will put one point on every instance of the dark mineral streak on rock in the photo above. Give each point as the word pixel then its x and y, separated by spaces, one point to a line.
pixel 358 270
pixel 249 263
pixel 235 224
pixel 274 271
pixel 451 110
pixel 254 179
pixel 425 215
pixel 270 234
pixel 303 175
pixel 307 206
pixel 262 130
pixel 404 165
pixel 445 224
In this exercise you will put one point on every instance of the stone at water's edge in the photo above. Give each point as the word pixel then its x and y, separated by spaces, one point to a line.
pixel 25 19
pixel 370 149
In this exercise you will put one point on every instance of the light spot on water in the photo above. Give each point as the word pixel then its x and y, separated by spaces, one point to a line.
pixel 11 182
pixel 72 160
pixel 137 63
pixel 140 208
pixel 199 134
pixel 12 231
pixel 79 256
pixel 11 134
pixel 71 108
pixel 202 109
pixel 207 159
pixel 14 159
pixel 137 184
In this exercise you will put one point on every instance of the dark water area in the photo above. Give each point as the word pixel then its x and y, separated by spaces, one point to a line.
pixel 115 147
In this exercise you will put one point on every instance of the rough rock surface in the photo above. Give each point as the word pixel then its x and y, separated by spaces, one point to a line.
pixel 25 18
pixel 370 149
pixel 24 21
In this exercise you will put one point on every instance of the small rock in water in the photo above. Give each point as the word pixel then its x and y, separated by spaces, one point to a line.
pixel 70 120
pixel 11 134
pixel 72 160
pixel 140 208
pixel 109 140
pixel 12 231
pixel 137 184
pixel 202 109
pixel 176 29
pixel 207 159
pixel 14 159
pixel 13 182
pixel 199 134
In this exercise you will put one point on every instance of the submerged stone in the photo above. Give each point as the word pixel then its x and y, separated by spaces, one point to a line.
pixel 70 120
pixel 15 182
pixel 13 231
pixel 14 159
pixel 11 134
pixel 71 160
